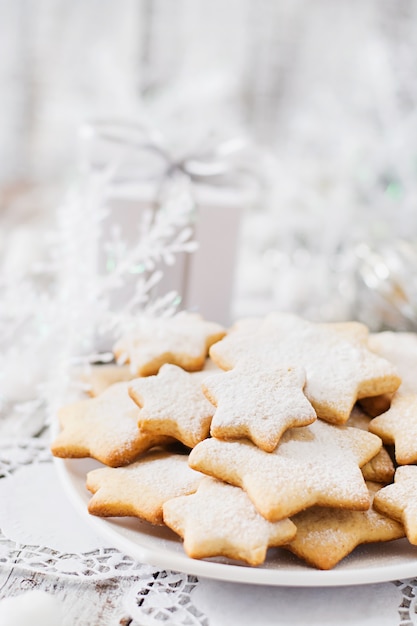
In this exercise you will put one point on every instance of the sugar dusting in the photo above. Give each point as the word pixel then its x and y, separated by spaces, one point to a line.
pixel 336 364
pixel 173 404
pixel 258 401
pixel 315 464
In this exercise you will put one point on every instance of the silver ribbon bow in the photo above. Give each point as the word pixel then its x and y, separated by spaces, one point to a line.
pixel 146 156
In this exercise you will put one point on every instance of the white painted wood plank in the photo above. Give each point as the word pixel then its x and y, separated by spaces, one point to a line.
pixel 96 603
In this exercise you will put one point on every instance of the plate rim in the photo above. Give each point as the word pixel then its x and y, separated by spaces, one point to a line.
pixel 165 559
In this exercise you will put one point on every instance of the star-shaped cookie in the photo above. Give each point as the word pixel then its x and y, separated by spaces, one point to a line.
pixel 326 536
pixel 339 366
pixel 258 402
pixel 183 340
pixel 104 428
pixel 173 404
pixel 220 520
pixel 317 464
pixel 399 500
pixel 400 348
pixel 398 426
pixel 141 489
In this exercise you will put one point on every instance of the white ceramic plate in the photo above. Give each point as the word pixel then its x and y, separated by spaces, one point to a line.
pixel 160 547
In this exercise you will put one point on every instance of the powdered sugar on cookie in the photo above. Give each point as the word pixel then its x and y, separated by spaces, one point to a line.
pixel 141 488
pixel 104 428
pixel 339 368
pixel 259 402
pixel 325 536
pixel 316 464
pixel 220 520
pixel 173 404
pixel 183 340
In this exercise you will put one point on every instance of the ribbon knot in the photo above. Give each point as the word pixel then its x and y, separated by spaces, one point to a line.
pixel 145 156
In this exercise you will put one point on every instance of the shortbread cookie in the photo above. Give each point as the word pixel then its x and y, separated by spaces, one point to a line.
pixel 100 377
pixel 312 465
pixel 380 469
pixel 398 426
pixel 220 520
pixel 183 340
pixel 141 489
pixel 104 428
pixel 400 348
pixel 258 402
pixel 339 366
pixel 398 423
pixel 399 500
pixel 173 404
pixel 325 536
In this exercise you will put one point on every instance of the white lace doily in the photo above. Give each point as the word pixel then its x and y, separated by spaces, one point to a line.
pixel 40 533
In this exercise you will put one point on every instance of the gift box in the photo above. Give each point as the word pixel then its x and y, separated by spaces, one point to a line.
pixel 206 194
pixel 204 278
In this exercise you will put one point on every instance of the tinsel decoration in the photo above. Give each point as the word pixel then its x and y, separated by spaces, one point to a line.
pixel 52 319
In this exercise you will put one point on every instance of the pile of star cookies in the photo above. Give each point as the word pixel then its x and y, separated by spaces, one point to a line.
pixel 276 432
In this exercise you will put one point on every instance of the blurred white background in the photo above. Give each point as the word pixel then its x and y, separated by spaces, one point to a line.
pixel 327 90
